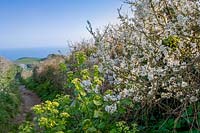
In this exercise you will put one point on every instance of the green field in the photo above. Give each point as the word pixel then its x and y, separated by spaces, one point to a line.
pixel 27 60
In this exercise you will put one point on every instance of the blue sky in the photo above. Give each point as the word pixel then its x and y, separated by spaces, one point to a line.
pixel 51 23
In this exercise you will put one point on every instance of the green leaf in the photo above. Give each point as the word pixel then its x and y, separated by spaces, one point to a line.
pixel 169 124
pixel 97 114
pixel 91 130
pixel 82 92
pixel 126 101
pixel 86 124
pixel 113 131
pixel 102 125
pixel 97 100
pixel 85 74
pixel 78 86
pixel 63 67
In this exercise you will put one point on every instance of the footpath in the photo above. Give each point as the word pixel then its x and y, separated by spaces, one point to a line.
pixel 29 99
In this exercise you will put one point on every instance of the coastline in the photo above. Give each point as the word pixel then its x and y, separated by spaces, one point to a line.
pixel 15 53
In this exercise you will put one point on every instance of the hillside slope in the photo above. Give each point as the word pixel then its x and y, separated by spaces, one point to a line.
pixel 27 60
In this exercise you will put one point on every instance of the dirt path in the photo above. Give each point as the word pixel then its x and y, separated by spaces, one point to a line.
pixel 29 99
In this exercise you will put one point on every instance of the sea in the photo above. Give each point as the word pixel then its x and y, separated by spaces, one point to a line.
pixel 16 53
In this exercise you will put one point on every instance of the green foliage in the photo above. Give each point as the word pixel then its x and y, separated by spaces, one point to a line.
pixel 80 58
pixel 45 90
pixel 26 127
pixel 48 78
pixel 171 41
pixel 9 97
pixel 84 112
pixel 122 127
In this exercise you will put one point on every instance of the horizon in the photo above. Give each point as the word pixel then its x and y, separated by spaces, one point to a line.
pixel 49 23
pixel 14 54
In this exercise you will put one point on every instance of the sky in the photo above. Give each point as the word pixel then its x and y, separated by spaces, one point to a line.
pixel 52 23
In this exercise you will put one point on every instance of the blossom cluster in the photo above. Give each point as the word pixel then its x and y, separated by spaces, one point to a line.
pixel 153 54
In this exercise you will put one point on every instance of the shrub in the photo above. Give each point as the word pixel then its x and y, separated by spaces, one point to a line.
pixel 85 110
pixel 152 59
pixel 9 95
pixel 47 79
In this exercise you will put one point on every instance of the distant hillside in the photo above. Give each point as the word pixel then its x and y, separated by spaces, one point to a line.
pixel 28 60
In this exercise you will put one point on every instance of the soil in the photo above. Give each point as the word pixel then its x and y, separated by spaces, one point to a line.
pixel 29 99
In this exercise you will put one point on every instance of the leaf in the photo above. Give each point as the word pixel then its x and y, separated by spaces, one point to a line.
pixel 168 125
pixel 97 114
pixel 82 92
pixel 102 125
pixel 63 67
pixel 86 124
pixel 97 100
pixel 97 103
pixel 78 86
pixel 126 101
pixel 91 130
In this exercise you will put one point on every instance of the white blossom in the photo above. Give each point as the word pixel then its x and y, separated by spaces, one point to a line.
pixel 193 99
pixel 150 76
pixel 147 64
pixel 111 108
pixel 184 84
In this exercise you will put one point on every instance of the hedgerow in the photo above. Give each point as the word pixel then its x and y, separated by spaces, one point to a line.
pixel 47 79
pixel 9 95
pixel 83 110
pixel 145 76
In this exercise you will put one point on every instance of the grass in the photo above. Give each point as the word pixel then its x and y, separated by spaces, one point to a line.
pixel 27 60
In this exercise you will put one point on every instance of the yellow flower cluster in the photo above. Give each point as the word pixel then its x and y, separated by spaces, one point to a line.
pixel 46 122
